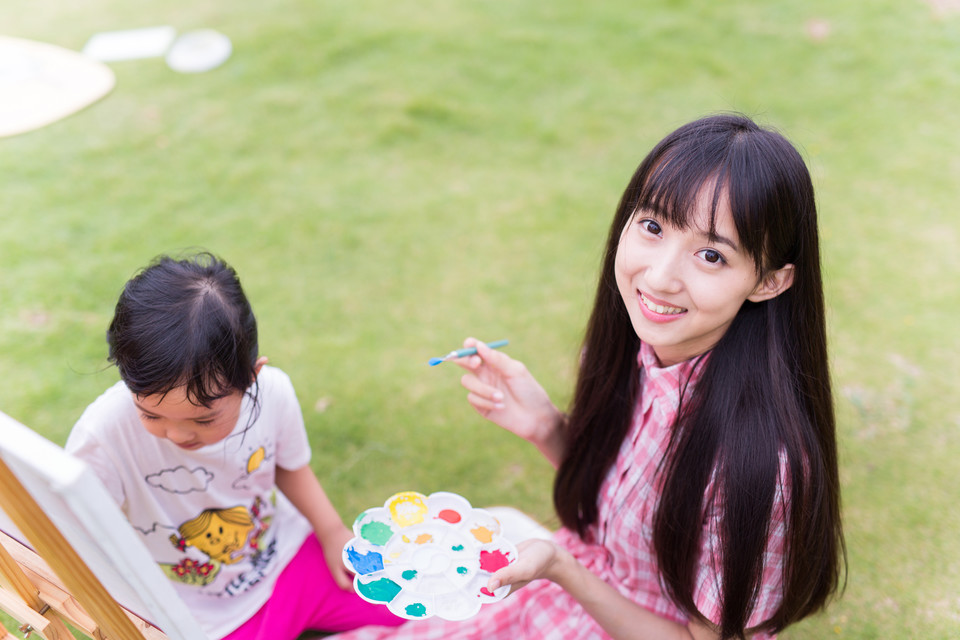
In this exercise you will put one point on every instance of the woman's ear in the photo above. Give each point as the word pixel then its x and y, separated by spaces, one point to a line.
pixel 773 284
pixel 262 360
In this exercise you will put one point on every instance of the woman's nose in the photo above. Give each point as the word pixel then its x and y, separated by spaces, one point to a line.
pixel 663 271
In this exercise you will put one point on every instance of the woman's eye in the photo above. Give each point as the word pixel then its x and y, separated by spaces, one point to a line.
pixel 712 256
pixel 147 416
pixel 652 226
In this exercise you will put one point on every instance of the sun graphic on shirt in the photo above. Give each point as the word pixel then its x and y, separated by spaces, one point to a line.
pixel 256 459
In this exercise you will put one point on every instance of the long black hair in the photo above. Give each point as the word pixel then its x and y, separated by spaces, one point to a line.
pixel 763 401
pixel 185 323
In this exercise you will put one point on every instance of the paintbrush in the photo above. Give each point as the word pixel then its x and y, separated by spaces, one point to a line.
pixel 469 351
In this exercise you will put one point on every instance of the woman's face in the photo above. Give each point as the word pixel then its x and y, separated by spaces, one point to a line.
pixel 683 287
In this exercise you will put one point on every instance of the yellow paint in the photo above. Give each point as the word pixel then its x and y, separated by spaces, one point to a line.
pixel 407 508
pixel 405 539
pixel 482 534
pixel 255 460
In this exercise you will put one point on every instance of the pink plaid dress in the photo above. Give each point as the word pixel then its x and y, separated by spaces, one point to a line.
pixel 622 554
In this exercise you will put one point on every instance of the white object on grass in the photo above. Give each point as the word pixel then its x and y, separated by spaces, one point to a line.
pixel 198 51
pixel 41 83
pixel 130 44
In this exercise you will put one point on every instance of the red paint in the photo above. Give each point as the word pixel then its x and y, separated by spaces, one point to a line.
pixel 493 560
pixel 484 591
pixel 450 516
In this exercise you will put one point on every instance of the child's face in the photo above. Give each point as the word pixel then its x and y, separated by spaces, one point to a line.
pixel 681 288
pixel 173 417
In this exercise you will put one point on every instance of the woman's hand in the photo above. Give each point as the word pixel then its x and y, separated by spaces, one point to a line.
pixel 504 392
pixel 536 559
pixel 619 616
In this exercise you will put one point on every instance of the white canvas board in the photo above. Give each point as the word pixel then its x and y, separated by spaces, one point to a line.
pixel 81 508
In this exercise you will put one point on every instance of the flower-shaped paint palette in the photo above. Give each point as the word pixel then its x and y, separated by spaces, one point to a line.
pixel 424 556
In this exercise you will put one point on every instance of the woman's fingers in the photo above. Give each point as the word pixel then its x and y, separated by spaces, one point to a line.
pixel 534 558
pixel 483 405
pixel 496 360
pixel 481 389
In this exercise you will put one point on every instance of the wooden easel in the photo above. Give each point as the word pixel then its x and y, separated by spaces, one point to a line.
pixel 43 594
pixel 68 555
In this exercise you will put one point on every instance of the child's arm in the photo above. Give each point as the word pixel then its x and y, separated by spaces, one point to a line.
pixel 303 489
pixel 504 392
pixel 618 615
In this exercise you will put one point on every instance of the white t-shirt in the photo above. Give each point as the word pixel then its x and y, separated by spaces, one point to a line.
pixel 212 518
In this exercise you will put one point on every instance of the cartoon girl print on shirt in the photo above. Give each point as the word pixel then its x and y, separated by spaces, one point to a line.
pixel 225 536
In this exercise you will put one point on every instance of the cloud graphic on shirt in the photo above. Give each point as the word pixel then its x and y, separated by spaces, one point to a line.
pixel 181 480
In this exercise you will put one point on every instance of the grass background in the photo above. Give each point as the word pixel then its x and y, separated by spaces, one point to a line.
pixel 390 177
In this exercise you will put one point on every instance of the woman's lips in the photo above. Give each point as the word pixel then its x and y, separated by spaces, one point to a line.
pixel 659 310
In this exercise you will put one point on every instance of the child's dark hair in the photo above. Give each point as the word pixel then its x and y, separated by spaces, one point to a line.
pixel 185 323
pixel 763 404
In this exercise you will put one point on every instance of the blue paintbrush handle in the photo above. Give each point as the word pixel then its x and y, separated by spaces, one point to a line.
pixel 468 351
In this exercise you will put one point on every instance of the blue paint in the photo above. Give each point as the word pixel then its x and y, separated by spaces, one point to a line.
pixel 366 563
pixel 382 590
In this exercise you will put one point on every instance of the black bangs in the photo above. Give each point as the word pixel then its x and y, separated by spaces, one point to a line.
pixel 727 157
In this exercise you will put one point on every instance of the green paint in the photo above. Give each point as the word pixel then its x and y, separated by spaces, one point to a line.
pixel 409 574
pixel 462 570
pixel 458 547
pixel 376 532
pixel 417 610
pixel 382 590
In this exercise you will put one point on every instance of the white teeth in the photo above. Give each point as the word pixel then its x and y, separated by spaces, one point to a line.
pixel 659 308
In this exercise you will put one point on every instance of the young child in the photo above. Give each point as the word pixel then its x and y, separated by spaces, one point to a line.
pixel 697 478
pixel 194 442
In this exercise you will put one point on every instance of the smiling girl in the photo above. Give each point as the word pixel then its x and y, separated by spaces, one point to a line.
pixel 194 442
pixel 697 479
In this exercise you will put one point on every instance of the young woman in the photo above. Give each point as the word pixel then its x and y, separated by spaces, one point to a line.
pixel 697 478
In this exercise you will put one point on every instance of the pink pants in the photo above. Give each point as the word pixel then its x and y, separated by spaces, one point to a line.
pixel 306 598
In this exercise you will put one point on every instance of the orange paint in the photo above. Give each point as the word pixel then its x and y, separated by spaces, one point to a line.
pixel 482 534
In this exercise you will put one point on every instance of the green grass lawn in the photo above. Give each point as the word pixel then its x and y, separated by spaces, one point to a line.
pixel 390 177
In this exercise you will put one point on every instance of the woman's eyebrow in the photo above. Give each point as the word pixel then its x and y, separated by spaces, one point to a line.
pixel 713 237
pixel 716 237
